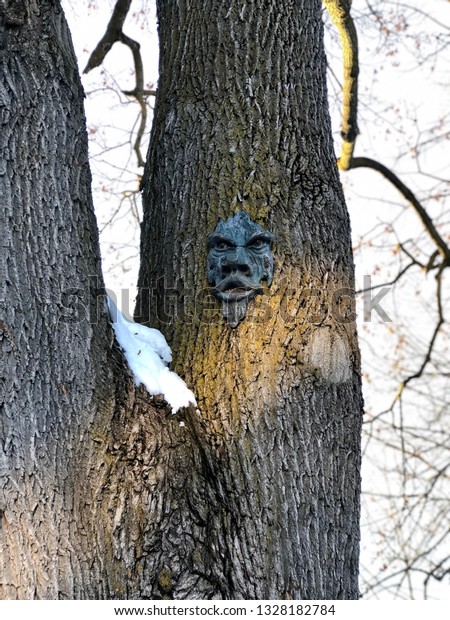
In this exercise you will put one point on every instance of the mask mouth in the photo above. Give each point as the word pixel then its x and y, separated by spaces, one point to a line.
pixel 235 288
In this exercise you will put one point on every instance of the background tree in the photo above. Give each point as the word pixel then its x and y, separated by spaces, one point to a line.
pixel 104 494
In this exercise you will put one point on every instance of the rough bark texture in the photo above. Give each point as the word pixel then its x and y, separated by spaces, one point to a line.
pixel 95 476
pixel 241 123
pixel 49 352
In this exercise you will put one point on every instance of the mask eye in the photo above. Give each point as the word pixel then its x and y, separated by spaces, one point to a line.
pixel 223 245
pixel 257 243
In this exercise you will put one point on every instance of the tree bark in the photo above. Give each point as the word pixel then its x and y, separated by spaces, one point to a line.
pixel 241 123
pixel 52 334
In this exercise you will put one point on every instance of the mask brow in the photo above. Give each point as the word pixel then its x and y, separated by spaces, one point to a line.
pixel 260 236
pixel 215 239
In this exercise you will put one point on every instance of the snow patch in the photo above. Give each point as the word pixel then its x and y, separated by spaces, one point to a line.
pixel 148 355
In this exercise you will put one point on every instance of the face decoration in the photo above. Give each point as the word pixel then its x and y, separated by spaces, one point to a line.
pixel 239 259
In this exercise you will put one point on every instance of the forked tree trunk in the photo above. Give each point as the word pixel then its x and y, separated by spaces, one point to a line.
pixel 241 123
pixel 103 493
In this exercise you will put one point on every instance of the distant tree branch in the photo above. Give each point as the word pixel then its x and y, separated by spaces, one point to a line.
pixel 339 11
pixel 431 260
pixel 431 344
pixel 138 91
pixel 366 162
pixel 113 34
pixel 439 323
pixel 442 249
pixel 409 255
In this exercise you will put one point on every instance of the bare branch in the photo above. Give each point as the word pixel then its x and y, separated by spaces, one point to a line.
pixel 112 34
pixel 409 255
pixel 366 162
pixel 138 91
pixel 394 281
pixel 431 344
pixel 339 11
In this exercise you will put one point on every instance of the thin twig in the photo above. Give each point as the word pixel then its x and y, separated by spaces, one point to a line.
pixel 429 352
pixel 394 281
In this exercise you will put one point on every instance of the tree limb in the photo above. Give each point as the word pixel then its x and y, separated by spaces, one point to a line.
pixel 138 91
pixel 366 162
pixel 339 11
pixel 438 326
pixel 391 283
pixel 112 34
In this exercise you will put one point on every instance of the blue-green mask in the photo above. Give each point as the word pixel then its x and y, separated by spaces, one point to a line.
pixel 239 259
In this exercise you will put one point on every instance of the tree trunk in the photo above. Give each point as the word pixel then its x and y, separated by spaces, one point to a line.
pixel 241 124
pixel 53 344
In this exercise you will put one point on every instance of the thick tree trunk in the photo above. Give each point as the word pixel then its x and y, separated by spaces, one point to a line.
pixel 241 123
pixel 50 340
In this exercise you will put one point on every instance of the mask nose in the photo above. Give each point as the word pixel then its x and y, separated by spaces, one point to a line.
pixel 236 262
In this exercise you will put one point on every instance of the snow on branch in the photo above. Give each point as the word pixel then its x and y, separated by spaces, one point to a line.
pixel 148 356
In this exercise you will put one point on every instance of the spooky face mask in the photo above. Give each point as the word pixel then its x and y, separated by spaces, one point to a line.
pixel 239 259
